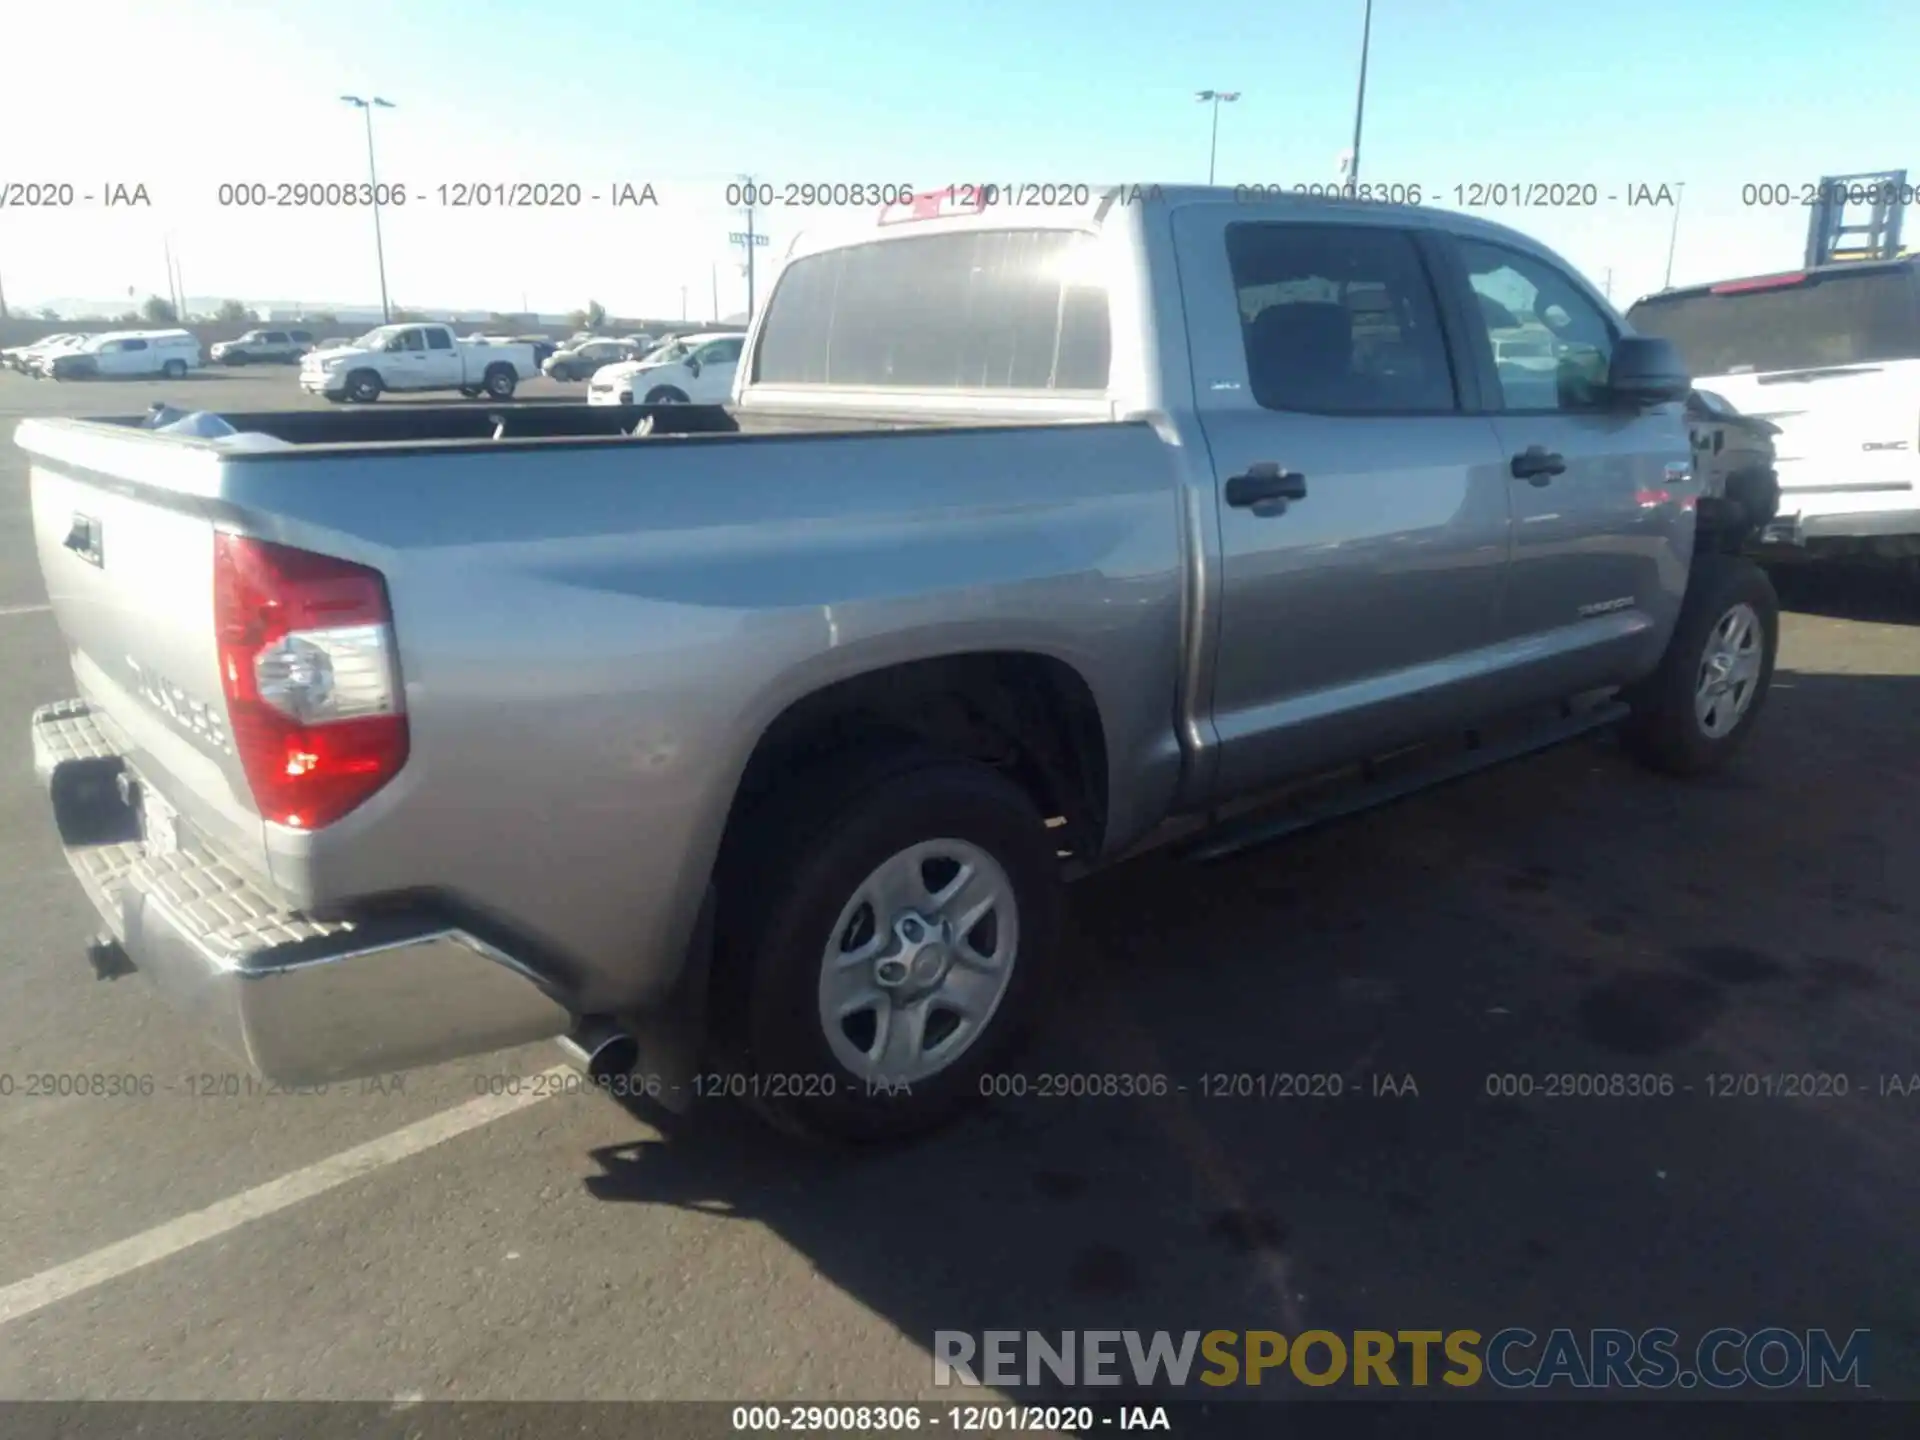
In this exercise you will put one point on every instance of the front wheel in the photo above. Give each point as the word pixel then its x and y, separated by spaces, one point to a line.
pixel 896 922
pixel 1700 705
pixel 666 395
pixel 363 387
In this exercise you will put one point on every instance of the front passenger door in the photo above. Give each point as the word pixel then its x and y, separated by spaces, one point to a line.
pixel 446 369
pixel 1603 496
pixel 409 368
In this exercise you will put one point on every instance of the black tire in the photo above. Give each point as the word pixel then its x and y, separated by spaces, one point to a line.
pixel 665 395
pixel 174 369
pixel 802 858
pixel 364 387
pixel 500 382
pixel 1665 731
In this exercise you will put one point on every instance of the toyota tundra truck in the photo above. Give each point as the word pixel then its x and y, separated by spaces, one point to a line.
pixel 1028 540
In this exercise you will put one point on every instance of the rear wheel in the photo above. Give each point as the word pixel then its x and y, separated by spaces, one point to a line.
pixel 363 387
pixel 1698 708
pixel 500 382
pixel 894 922
pixel 174 369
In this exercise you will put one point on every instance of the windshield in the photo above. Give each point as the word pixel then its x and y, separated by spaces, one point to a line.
pixel 376 338
pixel 667 350
pixel 1838 318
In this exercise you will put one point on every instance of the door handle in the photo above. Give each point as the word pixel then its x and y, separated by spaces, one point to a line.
pixel 1266 484
pixel 1537 465
pixel 83 538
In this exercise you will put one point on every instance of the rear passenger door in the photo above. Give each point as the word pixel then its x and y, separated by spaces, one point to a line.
pixel 1602 495
pixel 714 384
pixel 1362 506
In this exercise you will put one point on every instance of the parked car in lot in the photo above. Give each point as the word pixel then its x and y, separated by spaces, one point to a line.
pixel 38 361
pixel 695 369
pixel 20 357
pixel 124 354
pixel 414 358
pixel 577 362
pixel 770 733
pixel 1830 356
pixel 263 347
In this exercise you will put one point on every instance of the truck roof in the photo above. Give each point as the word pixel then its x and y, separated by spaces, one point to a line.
pixel 1035 207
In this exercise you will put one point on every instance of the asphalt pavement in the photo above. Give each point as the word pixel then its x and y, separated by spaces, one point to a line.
pixel 439 1236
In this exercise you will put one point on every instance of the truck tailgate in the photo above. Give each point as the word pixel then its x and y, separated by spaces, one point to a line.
pixel 125 538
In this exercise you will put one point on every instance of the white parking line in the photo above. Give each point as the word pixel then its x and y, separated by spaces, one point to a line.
pixel 51 1286
pixel 6 610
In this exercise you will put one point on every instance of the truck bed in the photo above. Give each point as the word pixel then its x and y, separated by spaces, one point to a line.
pixel 469 422
pixel 591 635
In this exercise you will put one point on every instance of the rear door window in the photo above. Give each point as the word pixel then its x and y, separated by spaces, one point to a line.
pixel 994 310
pixel 1835 317
pixel 439 340
pixel 1338 319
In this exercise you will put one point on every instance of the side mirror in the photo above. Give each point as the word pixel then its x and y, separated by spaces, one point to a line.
pixel 693 367
pixel 1647 370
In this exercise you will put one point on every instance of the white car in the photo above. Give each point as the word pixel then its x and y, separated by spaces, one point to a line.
pixel 1831 355
pixel 125 354
pixel 411 358
pixel 21 357
pixel 696 369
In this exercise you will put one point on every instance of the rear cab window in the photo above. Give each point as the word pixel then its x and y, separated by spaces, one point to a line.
pixel 975 310
pixel 1799 321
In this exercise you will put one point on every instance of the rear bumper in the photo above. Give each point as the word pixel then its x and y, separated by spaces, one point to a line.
pixel 301 1000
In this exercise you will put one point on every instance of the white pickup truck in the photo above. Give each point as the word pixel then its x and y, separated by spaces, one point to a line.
pixel 1830 357
pixel 414 358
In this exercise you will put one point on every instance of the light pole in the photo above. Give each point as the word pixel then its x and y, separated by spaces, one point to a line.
pixel 1360 102
pixel 751 194
pixel 1673 235
pixel 367 107
pixel 1215 99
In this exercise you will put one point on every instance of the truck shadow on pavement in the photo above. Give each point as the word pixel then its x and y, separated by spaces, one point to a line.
pixel 1566 916
pixel 1880 594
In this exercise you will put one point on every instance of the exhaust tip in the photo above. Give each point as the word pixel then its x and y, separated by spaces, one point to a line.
pixel 601 1050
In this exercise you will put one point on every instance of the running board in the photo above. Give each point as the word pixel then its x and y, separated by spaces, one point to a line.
pixel 1255 830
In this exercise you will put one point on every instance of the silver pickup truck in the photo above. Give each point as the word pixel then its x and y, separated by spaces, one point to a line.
pixel 1030 539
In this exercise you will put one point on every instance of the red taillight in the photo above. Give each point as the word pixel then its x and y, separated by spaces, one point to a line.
pixel 938 204
pixel 307 663
pixel 1760 282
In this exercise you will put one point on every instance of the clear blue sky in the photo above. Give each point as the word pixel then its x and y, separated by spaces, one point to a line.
pixel 1626 93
